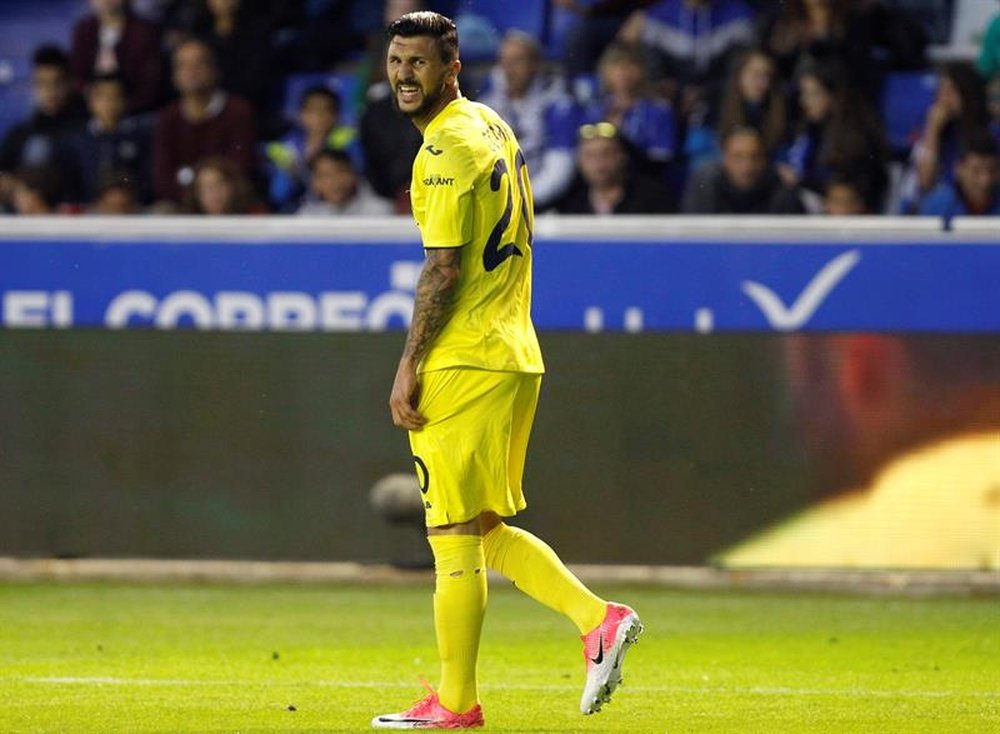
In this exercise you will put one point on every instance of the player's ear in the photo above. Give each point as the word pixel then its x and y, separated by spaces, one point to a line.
pixel 456 67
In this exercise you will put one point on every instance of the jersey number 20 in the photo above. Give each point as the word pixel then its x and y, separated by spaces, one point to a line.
pixel 494 253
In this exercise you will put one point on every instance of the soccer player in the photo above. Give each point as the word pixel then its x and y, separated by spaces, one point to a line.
pixel 468 380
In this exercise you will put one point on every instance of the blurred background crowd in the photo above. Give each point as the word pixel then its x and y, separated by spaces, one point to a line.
pixel 672 106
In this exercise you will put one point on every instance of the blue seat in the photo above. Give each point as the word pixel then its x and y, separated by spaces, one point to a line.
pixel 906 96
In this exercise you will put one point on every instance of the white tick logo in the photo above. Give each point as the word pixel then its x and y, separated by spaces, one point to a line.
pixel 790 318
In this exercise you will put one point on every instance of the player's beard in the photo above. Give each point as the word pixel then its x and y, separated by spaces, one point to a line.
pixel 430 98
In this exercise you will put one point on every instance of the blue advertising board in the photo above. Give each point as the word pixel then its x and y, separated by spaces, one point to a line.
pixel 626 285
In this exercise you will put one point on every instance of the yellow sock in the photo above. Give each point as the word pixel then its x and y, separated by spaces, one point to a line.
pixel 459 605
pixel 537 571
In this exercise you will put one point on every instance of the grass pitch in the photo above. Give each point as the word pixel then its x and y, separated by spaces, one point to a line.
pixel 184 658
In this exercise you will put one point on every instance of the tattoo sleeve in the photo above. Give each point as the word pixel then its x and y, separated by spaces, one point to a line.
pixel 435 299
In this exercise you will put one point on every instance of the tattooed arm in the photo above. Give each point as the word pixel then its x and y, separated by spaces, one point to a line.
pixel 432 308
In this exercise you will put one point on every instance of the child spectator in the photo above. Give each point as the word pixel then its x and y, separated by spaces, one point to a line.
pixel 45 138
pixel 116 196
pixel 845 197
pixel 540 112
pixel 111 142
pixel 839 134
pixel 743 182
pixel 220 187
pixel 975 187
pixel 204 121
pixel 319 128
pixel 607 182
pixel 336 188
pixel 112 40
pixel 627 103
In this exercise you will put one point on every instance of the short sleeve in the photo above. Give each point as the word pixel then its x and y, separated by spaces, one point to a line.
pixel 442 191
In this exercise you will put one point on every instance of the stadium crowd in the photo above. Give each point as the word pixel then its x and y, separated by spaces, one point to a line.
pixel 671 106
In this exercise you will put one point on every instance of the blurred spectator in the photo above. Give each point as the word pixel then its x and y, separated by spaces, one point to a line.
pixel 540 112
pixel 959 111
pixel 319 127
pixel 596 25
pixel 111 142
pixel 846 197
pixel 204 121
pixel 241 40
pixel 336 188
pixel 45 138
pixel 627 102
pixel 693 40
pixel 839 134
pixel 988 62
pixel 743 182
pixel 116 195
pixel 112 40
pixel 220 187
pixel 975 187
pixel 607 182
pixel 33 191
pixel 752 96
pixel 845 31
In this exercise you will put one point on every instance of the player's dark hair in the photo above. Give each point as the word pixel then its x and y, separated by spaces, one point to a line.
pixel 427 23
pixel 321 90
pixel 50 55
pixel 331 154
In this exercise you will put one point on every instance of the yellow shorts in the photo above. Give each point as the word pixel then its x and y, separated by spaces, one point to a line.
pixel 470 455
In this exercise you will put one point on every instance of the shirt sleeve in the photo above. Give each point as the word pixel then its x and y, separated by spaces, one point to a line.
pixel 443 189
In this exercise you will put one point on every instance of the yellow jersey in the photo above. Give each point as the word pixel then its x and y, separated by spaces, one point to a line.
pixel 470 189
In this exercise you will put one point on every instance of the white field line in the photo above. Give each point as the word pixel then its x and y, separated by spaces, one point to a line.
pixel 666 689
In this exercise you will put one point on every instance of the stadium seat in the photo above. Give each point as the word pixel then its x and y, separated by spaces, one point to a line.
pixel 906 95
pixel 346 85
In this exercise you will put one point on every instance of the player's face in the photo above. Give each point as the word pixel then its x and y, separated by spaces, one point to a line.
pixel 418 75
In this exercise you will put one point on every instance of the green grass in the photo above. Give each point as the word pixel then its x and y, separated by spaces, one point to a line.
pixel 144 658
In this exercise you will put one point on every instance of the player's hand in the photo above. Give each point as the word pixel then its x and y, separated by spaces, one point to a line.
pixel 404 398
